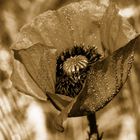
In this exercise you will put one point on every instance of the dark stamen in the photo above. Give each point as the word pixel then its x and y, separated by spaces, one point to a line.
pixel 71 84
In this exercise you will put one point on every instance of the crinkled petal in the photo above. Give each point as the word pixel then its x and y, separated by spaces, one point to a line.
pixel 105 79
pixel 75 23
pixel 24 83
pixel 115 30
pixel 40 63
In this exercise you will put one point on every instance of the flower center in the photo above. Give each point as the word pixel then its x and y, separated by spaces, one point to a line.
pixel 72 68
pixel 73 64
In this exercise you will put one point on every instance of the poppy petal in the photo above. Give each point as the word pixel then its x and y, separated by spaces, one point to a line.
pixel 75 23
pixel 115 30
pixel 105 79
pixel 81 19
pixel 59 101
pixel 24 83
pixel 45 29
pixel 58 121
pixel 40 62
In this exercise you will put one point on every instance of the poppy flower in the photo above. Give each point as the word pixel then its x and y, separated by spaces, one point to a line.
pixel 78 56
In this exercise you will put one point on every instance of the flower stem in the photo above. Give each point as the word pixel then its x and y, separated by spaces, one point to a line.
pixel 94 132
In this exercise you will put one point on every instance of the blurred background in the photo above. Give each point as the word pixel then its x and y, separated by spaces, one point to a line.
pixel 24 118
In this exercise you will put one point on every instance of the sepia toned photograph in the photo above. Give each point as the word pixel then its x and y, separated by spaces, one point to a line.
pixel 69 69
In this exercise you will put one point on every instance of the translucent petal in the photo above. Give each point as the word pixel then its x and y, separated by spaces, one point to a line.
pixel 105 80
pixel 40 63
pixel 115 30
pixel 75 23
pixel 24 83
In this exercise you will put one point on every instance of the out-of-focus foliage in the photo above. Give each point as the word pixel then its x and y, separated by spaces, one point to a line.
pixel 119 120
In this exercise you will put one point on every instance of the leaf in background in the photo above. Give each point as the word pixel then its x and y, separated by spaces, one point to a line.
pixel 6 68
pixel 115 30
pixel 104 80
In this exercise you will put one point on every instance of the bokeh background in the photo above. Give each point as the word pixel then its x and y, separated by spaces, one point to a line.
pixel 24 118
